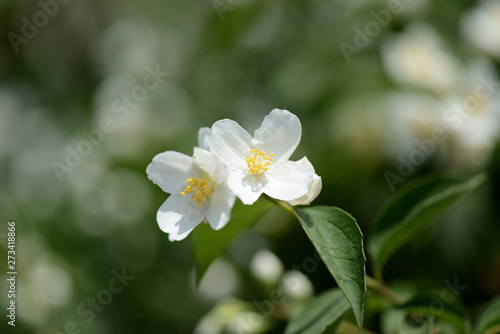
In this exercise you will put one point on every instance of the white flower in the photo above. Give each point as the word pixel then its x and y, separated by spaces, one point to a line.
pixel 296 285
pixel 409 116
pixel 198 188
pixel 418 57
pixel 260 164
pixel 473 118
pixel 314 188
pixel 266 266
pixel 481 26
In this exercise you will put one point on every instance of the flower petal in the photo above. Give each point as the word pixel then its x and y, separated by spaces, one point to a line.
pixel 314 188
pixel 279 133
pixel 203 138
pixel 305 162
pixel 230 143
pixel 247 187
pixel 208 162
pixel 178 217
pixel 219 207
pixel 288 180
pixel 170 170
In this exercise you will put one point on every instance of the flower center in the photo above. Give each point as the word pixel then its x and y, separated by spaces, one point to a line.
pixel 258 162
pixel 476 108
pixel 200 188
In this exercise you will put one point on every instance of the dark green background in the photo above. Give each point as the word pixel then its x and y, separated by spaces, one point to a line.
pixel 262 55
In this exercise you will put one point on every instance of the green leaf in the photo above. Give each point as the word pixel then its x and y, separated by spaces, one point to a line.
pixel 413 208
pixel 489 319
pixel 397 321
pixel 209 244
pixel 339 242
pixel 444 306
pixel 324 312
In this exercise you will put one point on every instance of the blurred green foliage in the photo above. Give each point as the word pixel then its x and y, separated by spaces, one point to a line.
pixel 259 55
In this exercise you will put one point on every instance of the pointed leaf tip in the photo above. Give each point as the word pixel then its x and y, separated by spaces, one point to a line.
pixel 339 242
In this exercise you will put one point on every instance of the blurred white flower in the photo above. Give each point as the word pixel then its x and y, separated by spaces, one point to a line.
pixel 230 315
pixel 473 115
pixel 410 117
pixel 53 283
pixel 166 124
pixel 418 57
pixel 266 266
pixel 481 26
pixel 36 138
pixel 475 139
pixel 208 325
pixel 198 188
pixel 47 285
pixel 297 286
pixel 314 188
pixel 128 46
pixel 248 323
pixel 127 117
pixel 221 280
pixel 260 164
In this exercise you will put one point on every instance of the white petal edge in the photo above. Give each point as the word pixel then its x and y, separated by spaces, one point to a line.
pixel 314 188
pixel 210 164
pixel 230 143
pixel 219 207
pixel 288 180
pixel 170 170
pixel 203 134
pixel 279 133
pixel 178 217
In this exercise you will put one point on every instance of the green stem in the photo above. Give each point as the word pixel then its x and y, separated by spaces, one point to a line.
pixel 383 290
pixel 378 274
pixel 282 204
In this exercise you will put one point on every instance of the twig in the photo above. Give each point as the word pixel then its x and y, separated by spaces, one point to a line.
pixel 282 204
pixel 383 290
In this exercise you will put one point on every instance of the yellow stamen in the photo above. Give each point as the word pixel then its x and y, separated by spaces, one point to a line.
pixel 200 188
pixel 258 162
